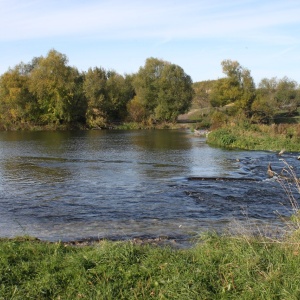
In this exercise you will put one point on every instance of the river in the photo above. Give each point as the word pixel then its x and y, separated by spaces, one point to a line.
pixel 134 184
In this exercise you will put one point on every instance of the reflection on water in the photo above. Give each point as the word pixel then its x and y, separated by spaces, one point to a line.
pixel 124 184
pixel 35 170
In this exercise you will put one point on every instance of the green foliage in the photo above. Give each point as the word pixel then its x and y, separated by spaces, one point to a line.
pixel 94 88
pixel 48 93
pixel 17 105
pixel 257 137
pixel 248 92
pixel 287 94
pixel 263 110
pixel 262 105
pixel 163 89
pixel 119 91
pixel 130 126
pixel 52 82
pixel 202 90
pixel 107 95
pixel 218 119
pixel 238 87
pixel 273 97
pixel 219 267
pixel 223 137
pixel 136 110
pixel 224 92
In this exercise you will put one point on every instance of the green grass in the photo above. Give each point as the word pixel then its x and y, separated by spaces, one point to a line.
pixel 218 267
pixel 257 137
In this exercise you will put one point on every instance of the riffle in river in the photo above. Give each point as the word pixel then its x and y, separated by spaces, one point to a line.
pixel 134 184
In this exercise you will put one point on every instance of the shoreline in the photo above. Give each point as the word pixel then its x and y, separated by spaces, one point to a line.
pixel 161 241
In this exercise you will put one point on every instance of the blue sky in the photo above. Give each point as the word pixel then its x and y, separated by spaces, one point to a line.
pixel 262 35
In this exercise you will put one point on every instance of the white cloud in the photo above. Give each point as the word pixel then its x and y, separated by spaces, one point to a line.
pixel 261 34
pixel 118 19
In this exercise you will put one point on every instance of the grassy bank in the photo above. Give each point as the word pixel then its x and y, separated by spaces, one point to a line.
pixel 219 267
pixel 257 137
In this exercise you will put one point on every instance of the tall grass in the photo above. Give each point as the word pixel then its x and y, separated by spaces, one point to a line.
pixel 257 137
pixel 290 183
pixel 217 267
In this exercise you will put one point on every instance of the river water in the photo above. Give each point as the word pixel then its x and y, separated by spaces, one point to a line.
pixel 127 184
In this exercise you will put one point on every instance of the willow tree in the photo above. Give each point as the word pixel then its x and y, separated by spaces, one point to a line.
pixel 163 89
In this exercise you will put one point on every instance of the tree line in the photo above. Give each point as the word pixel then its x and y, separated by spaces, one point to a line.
pixel 236 96
pixel 47 91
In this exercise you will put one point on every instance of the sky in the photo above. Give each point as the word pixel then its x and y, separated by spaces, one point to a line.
pixel 262 35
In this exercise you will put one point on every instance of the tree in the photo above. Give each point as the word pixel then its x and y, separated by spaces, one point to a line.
pixel 175 93
pixel 146 83
pixel 78 108
pixel 238 87
pixel 287 95
pixel 263 111
pixel 94 88
pixel 107 94
pixel 274 96
pixel 248 92
pixel 163 89
pixel 265 105
pixel 119 92
pixel 202 91
pixel 17 104
pixel 53 83
pixel 136 110
pixel 223 92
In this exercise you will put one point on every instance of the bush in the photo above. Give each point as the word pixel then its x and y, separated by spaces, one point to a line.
pixel 222 137
pixel 256 137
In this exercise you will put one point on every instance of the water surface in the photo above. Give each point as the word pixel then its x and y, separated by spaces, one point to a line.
pixel 126 184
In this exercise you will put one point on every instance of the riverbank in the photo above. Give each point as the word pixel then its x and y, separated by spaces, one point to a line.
pixel 217 267
pixel 257 137
pixel 77 126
